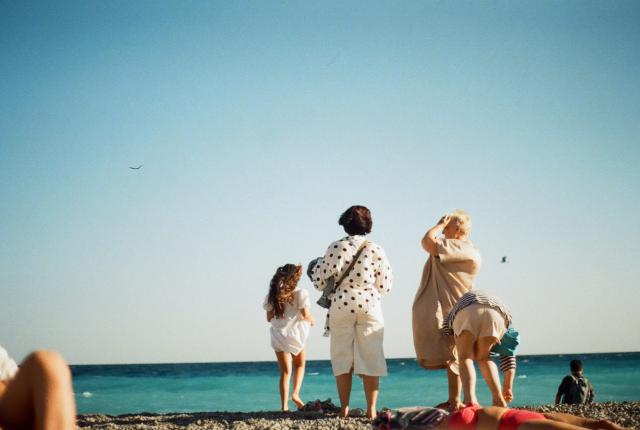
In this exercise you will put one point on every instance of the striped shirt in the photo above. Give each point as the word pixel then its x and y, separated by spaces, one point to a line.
pixel 472 297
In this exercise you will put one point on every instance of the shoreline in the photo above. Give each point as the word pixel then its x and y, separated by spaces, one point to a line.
pixel 626 414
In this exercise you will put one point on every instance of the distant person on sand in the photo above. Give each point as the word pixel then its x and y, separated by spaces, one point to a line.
pixel 38 395
pixel 362 274
pixel 288 312
pixel 480 322
pixel 449 272
pixel 575 389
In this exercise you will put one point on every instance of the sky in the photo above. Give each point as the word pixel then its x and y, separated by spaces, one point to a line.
pixel 258 123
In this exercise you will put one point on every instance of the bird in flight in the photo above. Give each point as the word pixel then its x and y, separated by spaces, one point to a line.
pixel 504 260
pixel 136 167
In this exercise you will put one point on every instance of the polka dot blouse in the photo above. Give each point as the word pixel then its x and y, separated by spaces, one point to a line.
pixel 369 278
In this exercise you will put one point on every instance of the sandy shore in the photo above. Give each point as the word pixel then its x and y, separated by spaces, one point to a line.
pixel 625 413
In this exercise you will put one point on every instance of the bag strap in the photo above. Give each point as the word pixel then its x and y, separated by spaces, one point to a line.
pixel 353 263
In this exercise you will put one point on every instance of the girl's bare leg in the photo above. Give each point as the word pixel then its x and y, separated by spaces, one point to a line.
pixel 582 422
pixel 40 396
pixel 465 343
pixel 298 376
pixel 343 382
pixel 548 425
pixel 489 369
pixel 371 388
pixel 455 385
pixel 284 363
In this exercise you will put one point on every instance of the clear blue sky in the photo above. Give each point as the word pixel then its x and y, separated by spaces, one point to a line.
pixel 258 122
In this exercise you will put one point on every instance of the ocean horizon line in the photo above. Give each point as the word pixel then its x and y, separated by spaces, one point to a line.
pixel 156 363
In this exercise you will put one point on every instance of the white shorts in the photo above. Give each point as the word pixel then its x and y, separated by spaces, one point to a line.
pixel 356 342
pixel 480 320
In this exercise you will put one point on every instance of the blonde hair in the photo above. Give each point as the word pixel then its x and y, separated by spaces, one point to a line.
pixel 464 221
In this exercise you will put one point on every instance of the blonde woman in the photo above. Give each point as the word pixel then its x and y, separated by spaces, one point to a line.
pixel 448 274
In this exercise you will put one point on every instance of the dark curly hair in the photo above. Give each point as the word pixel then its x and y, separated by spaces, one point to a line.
pixel 282 285
pixel 356 220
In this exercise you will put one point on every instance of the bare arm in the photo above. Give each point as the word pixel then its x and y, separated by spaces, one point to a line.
pixel 507 385
pixel 429 241
pixel 306 316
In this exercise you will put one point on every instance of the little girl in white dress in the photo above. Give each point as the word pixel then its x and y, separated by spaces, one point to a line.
pixel 288 312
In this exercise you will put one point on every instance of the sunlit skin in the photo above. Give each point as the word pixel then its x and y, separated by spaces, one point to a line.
pixel 288 363
pixel 40 396
pixel 489 419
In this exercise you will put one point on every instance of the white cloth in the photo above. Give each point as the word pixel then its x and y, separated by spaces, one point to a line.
pixel 356 342
pixel 8 367
pixel 370 277
pixel 290 332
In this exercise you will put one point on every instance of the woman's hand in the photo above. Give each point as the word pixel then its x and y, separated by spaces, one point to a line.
pixel 430 238
pixel 507 393
pixel 444 220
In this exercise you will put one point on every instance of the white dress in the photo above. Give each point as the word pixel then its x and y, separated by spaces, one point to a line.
pixel 290 332
pixel 8 367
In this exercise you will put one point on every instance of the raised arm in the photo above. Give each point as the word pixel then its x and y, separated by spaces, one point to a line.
pixel 429 241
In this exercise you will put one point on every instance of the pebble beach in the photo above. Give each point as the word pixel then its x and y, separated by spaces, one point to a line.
pixel 626 414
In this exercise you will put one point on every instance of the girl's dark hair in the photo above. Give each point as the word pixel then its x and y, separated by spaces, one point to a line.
pixel 356 220
pixel 282 285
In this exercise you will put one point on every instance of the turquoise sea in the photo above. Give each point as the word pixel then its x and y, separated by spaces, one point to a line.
pixel 252 386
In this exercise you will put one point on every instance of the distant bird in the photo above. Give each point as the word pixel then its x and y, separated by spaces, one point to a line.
pixel 135 168
pixel 504 260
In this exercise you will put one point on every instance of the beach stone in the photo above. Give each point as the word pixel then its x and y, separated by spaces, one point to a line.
pixel 626 414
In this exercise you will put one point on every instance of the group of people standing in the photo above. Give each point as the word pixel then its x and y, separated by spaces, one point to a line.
pixel 453 326
pixel 357 273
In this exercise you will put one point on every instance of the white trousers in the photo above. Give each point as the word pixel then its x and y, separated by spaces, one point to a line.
pixel 356 342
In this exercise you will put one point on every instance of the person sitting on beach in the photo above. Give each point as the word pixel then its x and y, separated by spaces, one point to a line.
pixel 288 312
pixel 479 321
pixel 356 323
pixel 490 418
pixel 38 395
pixel 575 389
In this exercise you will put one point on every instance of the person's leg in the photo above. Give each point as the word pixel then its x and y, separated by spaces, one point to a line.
pixel 40 396
pixel 489 369
pixel 369 361
pixel 343 382
pixel 342 325
pixel 371 387
pixel 284 363
pixel 455 384
pixel 582 422
pixel 548 425
pixel 298 376
pixel 465 343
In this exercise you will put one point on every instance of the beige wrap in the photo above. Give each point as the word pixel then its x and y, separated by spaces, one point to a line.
pixel 445 278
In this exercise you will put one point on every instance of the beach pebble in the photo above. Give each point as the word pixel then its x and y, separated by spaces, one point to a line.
pixel 626 414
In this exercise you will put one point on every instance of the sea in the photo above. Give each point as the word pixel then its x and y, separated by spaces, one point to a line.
pixel 253 386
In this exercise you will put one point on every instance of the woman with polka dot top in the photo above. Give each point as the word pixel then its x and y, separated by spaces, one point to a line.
pixel 355 318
